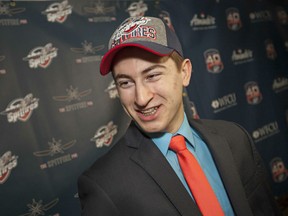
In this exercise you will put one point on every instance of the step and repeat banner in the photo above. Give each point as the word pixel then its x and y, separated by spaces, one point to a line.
pixel 58 115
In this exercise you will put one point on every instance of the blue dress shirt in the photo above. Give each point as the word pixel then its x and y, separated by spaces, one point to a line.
pixel 200 150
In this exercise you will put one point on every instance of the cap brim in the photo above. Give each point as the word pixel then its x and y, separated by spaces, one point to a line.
pixel 157 49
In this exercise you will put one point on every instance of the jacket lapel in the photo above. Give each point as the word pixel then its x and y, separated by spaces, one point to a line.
pixel 149 157
pixel 223 158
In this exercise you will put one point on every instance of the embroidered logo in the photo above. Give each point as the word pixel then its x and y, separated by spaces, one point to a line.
pixel 7 163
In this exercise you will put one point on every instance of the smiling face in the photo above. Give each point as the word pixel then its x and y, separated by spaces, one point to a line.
pixel 150 89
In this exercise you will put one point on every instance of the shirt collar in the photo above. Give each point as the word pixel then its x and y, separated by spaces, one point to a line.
pixel 163 141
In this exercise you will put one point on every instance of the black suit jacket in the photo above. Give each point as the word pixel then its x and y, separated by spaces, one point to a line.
pixel 135 179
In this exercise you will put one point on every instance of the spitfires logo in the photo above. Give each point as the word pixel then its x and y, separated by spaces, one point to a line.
pixel 112 90
pixel 55 148
pixel 137 9
pixel 105 134
pixel 21 108
pixel 279 171
pixel 234 22
pixel 99 10
pixel 89 51
pixel 41 56
pixel 253 93
pixel 213 61
pixel 73 94
pixel 7 163
pixel 58 12
pixel 270 50
pixel 37 208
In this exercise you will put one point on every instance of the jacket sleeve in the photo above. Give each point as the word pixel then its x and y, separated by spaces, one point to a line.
pixel 93 199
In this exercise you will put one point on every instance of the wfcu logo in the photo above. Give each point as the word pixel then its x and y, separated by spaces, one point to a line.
pixel 100 12
pixel 278 169
pixel 8 161
pixel 137 9
pixel 58 12
pixel 73 94
pixel 104 135
pixel 260 16
pixel 41 56
pixel 234 22
pixel 21 108
pixel 253 93
pixel 37 208
pixel 223 103
pixel 57 148
pixel 112 90
pixel 265 131
pixel 203 21
pixel 241 56
pixel 9 9
pixel 213 61
pixel 89 51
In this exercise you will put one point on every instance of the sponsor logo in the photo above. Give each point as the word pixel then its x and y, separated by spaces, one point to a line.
pixel 203 22
pixel 137 9
pixel 41 56
pixel 241 56
pixel 21 108
pixel 55 148
pixel 8 9
pixel 278 169
pixel 58 12
pixel 265 131
pixel 133 28
pixel 282 16
pixel 253 93
pixel 7 163
pixel 89 51
pixel 260 16
pixel 280 84
pixel 194 110
pixel 165 16
pixel 224 102
pixel 37 208
pixel 104 135
pixel 2 71
pixel 213 61
pixel 73 94
pixel 234 22
pixel 270 49
pixel 112 90
pixel 99 10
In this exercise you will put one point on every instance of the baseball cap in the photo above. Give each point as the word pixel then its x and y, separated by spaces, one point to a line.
pixel 148 33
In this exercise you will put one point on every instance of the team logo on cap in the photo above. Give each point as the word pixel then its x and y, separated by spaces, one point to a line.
pixel 233 19
pixel 58 12
pixel 279 171
pixel 133 28
pixel 213 61
pixel 41 56
pixel 7 163
pixel 21 108
pixel 253 93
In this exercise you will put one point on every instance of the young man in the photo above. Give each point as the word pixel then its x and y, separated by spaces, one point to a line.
pixel 145 174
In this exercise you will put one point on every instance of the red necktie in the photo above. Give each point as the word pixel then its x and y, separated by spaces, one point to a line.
pixel 199 186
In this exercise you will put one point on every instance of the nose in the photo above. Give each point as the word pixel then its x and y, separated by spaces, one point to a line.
pixel 143 95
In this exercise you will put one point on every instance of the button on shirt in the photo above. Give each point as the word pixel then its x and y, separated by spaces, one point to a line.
pixel 200 150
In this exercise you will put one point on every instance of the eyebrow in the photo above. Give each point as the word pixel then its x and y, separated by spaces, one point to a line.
pixel 143 72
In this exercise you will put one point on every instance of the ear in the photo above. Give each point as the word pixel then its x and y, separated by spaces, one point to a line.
pixel 186 71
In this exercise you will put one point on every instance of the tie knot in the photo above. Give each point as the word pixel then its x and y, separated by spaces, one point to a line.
pixel 177 143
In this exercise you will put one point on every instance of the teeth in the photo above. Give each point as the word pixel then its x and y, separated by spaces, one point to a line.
pixel 150 111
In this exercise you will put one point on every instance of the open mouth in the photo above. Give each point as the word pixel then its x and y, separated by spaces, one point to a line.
pixel 149 112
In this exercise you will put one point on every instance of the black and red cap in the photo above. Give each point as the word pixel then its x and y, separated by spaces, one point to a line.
pixel 148 33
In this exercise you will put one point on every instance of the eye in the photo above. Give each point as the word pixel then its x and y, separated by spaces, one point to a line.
pixel 125 83
pixel 153 77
